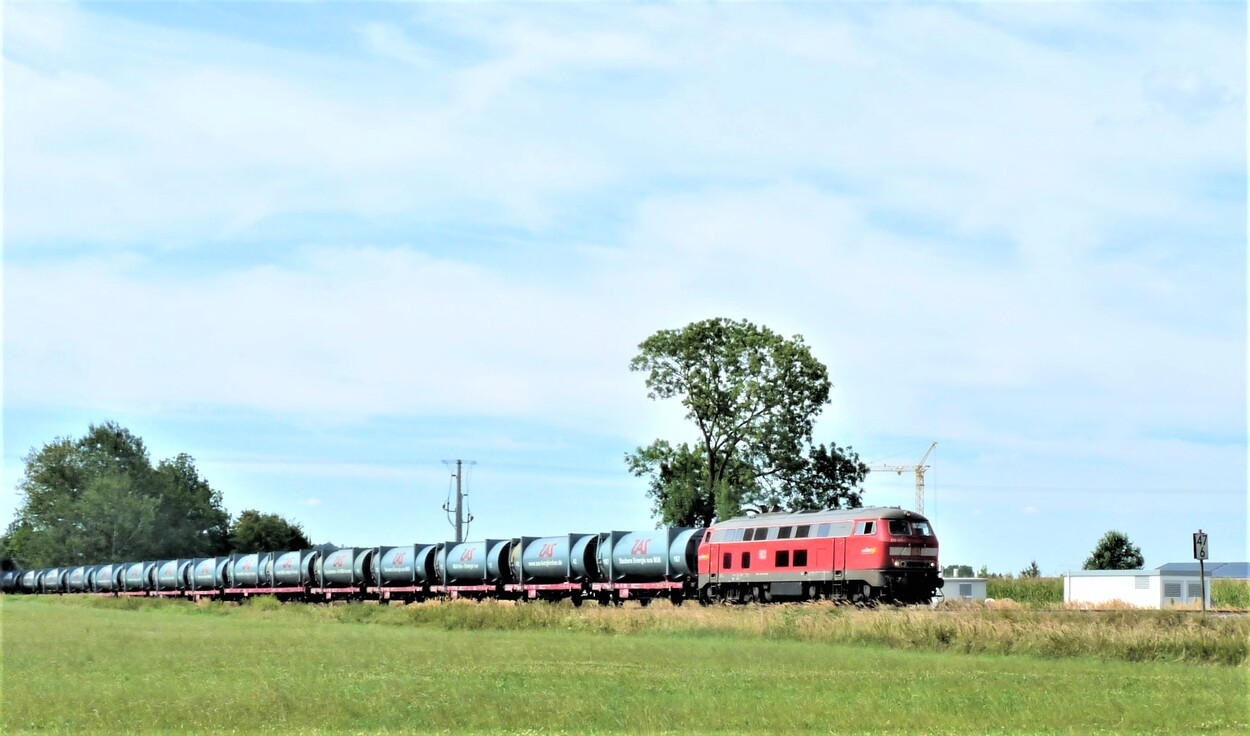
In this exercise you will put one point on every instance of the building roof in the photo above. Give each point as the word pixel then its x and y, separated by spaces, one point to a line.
pixel 1239 570
pixel 817 516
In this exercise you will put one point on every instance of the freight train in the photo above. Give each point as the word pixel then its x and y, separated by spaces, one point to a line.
pixel 860 555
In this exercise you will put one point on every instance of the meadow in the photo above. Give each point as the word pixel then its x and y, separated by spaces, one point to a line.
pixel 79 665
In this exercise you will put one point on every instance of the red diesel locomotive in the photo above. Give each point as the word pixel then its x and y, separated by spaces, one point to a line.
pixel 864 554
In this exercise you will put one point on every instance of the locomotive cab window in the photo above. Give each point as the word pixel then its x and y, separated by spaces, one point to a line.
pixel 865 527
pixel 899 527
pixel 921 529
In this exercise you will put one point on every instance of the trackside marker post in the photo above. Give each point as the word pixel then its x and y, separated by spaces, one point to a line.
pixel 1200 554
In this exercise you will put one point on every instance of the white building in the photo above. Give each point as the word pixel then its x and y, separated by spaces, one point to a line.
pixel 963 589
pixel 1141 588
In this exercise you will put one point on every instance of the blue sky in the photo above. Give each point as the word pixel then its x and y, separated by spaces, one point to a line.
pixel 324 247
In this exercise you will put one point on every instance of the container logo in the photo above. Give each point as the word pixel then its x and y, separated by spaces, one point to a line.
pixel 247 565
pixel 168 569
pixel 640 547
pixel 286 565
pixel 548 550
pixel 467 555
pixel 338 561
pixel 398 559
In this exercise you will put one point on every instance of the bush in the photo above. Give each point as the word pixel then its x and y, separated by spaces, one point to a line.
pixel 1038 591
pixel 1227 593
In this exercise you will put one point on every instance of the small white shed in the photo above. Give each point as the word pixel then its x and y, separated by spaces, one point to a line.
pixel 963 589
pixel 1141 588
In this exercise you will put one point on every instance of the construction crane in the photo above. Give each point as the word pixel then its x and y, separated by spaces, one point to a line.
pixel 919 469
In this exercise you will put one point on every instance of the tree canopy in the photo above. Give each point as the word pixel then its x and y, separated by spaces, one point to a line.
pixel 257 532
pixel 99 498
pixel 1115 552
pixel 753 397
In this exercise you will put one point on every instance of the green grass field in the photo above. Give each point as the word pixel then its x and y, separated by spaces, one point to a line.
pixel 89 665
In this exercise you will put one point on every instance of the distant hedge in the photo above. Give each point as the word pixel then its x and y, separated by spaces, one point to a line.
pixel 1025 590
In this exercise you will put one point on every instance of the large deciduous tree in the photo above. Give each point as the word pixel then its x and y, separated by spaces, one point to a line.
pixel 99 499
pixel 753 397
pixel 257 532
pixel 1115 552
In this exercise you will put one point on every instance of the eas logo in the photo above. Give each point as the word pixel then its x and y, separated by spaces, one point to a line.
pixel 467 555
pixel 338 561
pixel 398 559
pixel 247 565
pixel 287 564
pixel 640 547
pixel 548 550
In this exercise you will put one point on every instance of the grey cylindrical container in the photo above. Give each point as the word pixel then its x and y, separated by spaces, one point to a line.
pixel 132 580
pixel 77 580
pixel 411 564
pixel 53 580
pixel 683 554
pixel 208 573
pixel 582 561
pixel 648 556
pixel 287 571
pixel 29 582
pixel 89 583
pixel 246 570
pixel 172 575
pixel 348 567
pixel 498 571
pixel 149 575
pixel 8 581
pixel 106 579
pixel 466 563
pixel 541 560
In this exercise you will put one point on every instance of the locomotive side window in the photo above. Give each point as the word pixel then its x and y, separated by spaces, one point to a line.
pixel 772 532
pixel 728 561
pixel 782 558
pixel 823 530
pixel 865 527
pixel 746 560
pixel 802 531
pixel 785 532
pixel 800 558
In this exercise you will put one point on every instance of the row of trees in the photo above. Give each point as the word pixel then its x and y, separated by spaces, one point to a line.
pixel 99 498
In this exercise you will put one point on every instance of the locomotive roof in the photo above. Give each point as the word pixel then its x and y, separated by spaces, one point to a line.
pixel 821 515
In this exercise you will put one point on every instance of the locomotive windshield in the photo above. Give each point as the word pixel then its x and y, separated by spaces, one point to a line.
pixel 902 527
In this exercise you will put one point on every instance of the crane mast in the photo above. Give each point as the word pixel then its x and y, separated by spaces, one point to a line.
pixel 918 469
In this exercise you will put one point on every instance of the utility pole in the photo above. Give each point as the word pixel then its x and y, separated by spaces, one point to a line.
pixel 919 469
pixel 461 517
